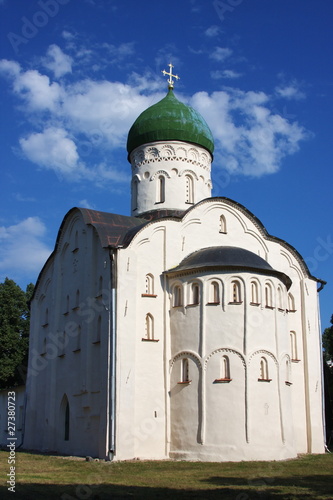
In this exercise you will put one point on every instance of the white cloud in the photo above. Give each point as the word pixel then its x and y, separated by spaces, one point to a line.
pixel 227 74
pixel 212 31
pixel 254 144
pixel 33 88
pixel 85 204
pixel 22 250
pixel 220 54
pixel 57 61
pixel 52 149
pixel 291 91
pixel 95 116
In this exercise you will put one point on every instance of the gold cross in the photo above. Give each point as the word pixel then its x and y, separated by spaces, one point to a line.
pixel 170 80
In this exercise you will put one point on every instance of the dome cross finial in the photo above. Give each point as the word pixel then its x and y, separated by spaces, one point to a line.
pixel 170 80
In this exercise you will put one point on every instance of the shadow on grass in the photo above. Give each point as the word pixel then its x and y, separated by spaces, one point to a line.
pixel 217 488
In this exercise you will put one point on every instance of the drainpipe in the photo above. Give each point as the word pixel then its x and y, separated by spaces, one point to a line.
pixel 322 284
pixel 112 358
pixel 23 418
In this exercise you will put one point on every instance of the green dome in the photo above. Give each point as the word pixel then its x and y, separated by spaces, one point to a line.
pixel 170 120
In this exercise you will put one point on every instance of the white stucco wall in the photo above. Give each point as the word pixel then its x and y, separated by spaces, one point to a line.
pixel 267 420
pixel 173 162
pixel 68 347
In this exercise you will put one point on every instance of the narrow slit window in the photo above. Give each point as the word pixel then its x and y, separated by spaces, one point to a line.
pixel 263 375
pixel 149 327
pixel 214 293
pixel 254 293
pixel 225 368
pixel 177 296
pixel 135 194
pixel 293 346
pixel 235 292
pixel 223 224
pixel 195 293
pixel 280 298
pixel 189 194
pixel 268 295
pixel 149 284
pixel 160 187
pixel 67 416
pixel 185 371
pixel 291 302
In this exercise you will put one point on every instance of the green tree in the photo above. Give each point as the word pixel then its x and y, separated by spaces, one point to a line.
pixel 14 332
pixel 328 342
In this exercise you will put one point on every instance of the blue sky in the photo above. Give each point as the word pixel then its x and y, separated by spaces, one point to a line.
pixel 75 74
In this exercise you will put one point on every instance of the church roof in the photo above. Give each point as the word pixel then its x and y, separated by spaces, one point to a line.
pixel 111 228
pixel 169 120
pixel 228 258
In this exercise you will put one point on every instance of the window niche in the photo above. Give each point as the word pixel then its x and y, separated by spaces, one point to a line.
pixel 65 418
pixel 149 286
pixel 291 303
pixel 268 296
pixel 224 371
pixel 149 329
pixel 236 297
pixel 254 294
pixel 223 225
pixel 280 299
pixel 293 347
pixel 213 293
pixel 263 371
pixel 160 189
pixel 184 372
pixel 177 296
pixel 135 195
pixel 189 189
pixel 194 294
pixel 77 301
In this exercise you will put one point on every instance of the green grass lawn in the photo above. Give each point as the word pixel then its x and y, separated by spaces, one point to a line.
pixel 68 478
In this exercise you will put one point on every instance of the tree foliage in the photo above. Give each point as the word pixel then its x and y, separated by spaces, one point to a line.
pixel 328 342
pixel 14 332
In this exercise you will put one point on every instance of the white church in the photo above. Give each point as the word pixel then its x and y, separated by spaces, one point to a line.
pixel 183 331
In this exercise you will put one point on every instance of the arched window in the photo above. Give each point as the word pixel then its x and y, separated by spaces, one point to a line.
pixel 293 346
pixel 65 418
pixel 160 189
pixel 67 305
pixel 135 194
pixel 235 292
pixel 291 302
pixel 254 293
pixel 99 329
pixel 78 339
pixel 46 317
pixel 185 371
pixel 214 293
pixel 100 286
pixel 225 368
pixel 76 241
pixel 268 296
pixel 177 296
pixel 263 375
pixel 189 189
pixel 149 284
pixel 287 373
pixel 280 297
pixel 223 224
pixel 149 327
pixel 77 300
pixel 195 293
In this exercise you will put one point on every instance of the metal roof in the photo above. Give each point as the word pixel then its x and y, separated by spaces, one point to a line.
pixel 169 120
pixel 228 258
